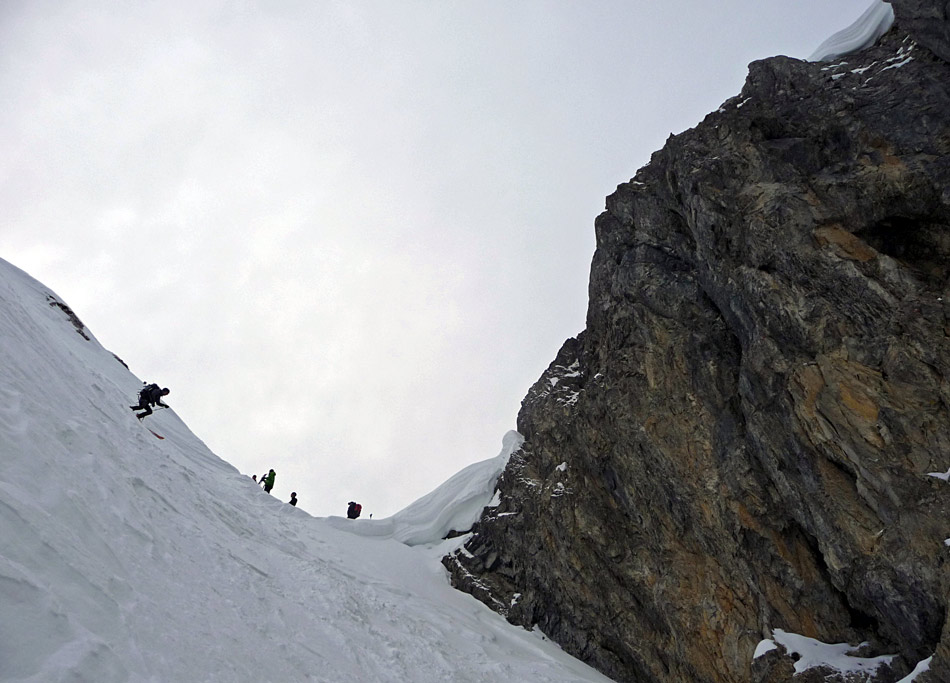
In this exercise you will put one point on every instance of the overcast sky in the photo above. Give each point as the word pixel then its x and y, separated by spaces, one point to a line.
pixel 348 235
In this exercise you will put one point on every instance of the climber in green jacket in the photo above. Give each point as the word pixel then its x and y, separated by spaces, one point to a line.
pixel 268 480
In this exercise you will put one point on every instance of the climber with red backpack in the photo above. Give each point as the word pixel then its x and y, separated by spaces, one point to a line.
pixel 353 510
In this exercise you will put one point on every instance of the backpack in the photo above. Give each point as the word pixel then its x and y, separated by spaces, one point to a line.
pixel 357 509
pixel 147 391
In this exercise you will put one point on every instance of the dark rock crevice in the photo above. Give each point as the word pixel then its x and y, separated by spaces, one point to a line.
pixel 70 314
pixel 919 243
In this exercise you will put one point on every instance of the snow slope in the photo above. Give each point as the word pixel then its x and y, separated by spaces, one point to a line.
pixel 130 558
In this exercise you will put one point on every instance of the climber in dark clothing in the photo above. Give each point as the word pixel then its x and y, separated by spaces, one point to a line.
pixel 293 499
pixel 148 397
pixel 353 510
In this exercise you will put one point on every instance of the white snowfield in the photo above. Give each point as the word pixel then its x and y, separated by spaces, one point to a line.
pixel 129 558
pixel 870 26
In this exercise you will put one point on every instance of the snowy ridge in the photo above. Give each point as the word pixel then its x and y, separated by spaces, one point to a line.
pixel 870 26
pixel 129 558
pixel 454 506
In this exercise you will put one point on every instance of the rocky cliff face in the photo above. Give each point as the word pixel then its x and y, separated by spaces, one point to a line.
pixel 742 438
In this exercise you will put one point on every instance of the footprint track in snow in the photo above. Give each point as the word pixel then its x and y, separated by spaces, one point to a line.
pixel 13 421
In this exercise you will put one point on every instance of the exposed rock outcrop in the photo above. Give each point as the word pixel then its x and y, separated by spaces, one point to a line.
pixel 743 437
pixel 929 23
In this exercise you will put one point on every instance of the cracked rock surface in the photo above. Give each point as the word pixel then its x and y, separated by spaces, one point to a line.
pixel 744 437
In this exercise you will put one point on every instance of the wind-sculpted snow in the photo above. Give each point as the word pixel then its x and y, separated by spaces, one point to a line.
pixel 454 506
pixel 870 26
pixel 128 558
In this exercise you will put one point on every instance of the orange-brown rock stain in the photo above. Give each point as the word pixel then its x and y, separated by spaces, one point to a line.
pixel 845 244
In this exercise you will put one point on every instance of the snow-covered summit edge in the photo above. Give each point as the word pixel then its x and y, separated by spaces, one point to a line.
pixel 454 506
pixel 870 26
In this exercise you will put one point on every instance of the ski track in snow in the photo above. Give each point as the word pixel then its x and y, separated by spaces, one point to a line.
pixel 128 558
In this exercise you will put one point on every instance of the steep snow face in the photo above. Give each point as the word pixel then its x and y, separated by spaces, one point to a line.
pixel 870 26
pixel 126 557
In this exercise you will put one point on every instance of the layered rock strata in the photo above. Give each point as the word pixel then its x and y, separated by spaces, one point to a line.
pixel 744 436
